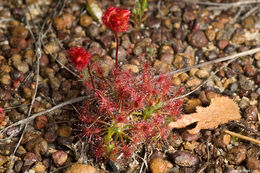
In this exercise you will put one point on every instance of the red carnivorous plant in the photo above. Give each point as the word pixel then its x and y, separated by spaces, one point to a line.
pixel 2 114
pixel 80 58
pixel 126 109
pixel 116 19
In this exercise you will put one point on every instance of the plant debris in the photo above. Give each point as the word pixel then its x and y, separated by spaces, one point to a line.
pixel 220 111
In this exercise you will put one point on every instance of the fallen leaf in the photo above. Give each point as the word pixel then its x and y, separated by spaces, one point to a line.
pixel 220 111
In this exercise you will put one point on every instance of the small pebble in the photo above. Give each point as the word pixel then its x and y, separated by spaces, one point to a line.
pixel 39 167
pixel 211 34
pixel 249 70
pixel 64 141
pixel 191 105
pixel 186 136
pixel 223 140
pixel 22 67
pixel 193 82
pixel 175 141
pixel 44 60
pixel 153 23
pixel 3 160
pixel 238 39
pixel 92 31
pixel 188 16
pixel 81 168
pixel 251 113
pixel 203 98
pixel 62 22
pixel 27 93
pixel 55 83
pixel 166 57
pixel 185 159
pixel 176 81
pixel 130 67
pixel 135 36
pixel 237 155
pixel 18 166
pixel 234 87
pixel 222 44
pixel 182 60
pixel 248 22
pixel 51 48
pixel 202 74
pixel 161 67
pixel 29 159
pixel 6 79
pixel 121 54
pixel 59 158
pixel 50 135
pixel 85 20
pixel 253 164
pixel 15 116
pixel 40 122
pixel 158 165
pixel 64 131
pixel 20 32
pixel 245 84
pixel 198 39
pixel 178 46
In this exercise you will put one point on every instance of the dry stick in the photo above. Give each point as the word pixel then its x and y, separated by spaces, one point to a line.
pixel 38 55
pixel 227 5
pixel 242 136
pixel 33 116
pixel 203 167
pixel 62 65
pixel 250 12
pixel 182 70
pixel 230 58
pixel 160 12
pixel 241 9
pixel 243 126
pixel 144 160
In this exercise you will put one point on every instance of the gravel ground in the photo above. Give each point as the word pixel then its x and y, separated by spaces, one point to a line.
pixel 35 76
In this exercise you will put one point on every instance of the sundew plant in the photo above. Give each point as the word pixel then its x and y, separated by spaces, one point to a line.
pixel 125 109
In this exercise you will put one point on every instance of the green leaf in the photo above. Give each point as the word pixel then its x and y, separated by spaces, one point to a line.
pixel 86 75
pixel 134 11
pixel 235 138
pixel 150 110
pixel 138 5
pixel 144 4
pixel 94 10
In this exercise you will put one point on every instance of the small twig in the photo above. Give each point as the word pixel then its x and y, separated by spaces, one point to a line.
pixel 230 58
pixel 182 70
pixel 241 9
pixel 62 65
pixel 33 116
pixel 160 12
pixel 242 136
pixel 206 81
pixel 243 126
pixel 13 107
pixel 203 167
pixel 250 12
pixel 227 5
pixel 144 160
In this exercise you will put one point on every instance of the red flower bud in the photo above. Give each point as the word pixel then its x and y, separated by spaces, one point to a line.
pixel 79 57
pixel 116 19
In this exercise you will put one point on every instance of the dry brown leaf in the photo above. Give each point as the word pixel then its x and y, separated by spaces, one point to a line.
pixel 220 111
